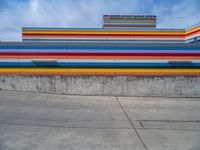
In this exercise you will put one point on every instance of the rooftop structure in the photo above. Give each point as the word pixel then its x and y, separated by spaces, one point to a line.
pixel 129 21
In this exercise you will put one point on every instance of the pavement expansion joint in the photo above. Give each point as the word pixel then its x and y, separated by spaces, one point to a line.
pixel 131 123
pixel 64 127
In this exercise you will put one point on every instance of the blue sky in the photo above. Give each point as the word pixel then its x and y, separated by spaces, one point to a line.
pixel 15 14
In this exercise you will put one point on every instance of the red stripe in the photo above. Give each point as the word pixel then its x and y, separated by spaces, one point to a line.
pixel 193 33
pixel 101 35
pixel 113 26
pixel 94 54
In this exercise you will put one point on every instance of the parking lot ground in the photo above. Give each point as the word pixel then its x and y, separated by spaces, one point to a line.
pixel 67 122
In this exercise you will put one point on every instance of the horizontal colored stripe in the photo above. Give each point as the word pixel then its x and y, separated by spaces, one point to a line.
pixel 116 23
pixel 104 57
pixel 91 60
pixel 95 54
pixel 114 47
pixel 49 71
pixel 130 21
pixel 97 29
pixel 105 35
pixel 10 51
pixel 56 40
pixel 102 33
pixel 101 64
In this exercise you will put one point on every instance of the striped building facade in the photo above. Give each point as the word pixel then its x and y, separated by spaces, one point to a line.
pixel 103 51
pixel 113 35
pixel 99 59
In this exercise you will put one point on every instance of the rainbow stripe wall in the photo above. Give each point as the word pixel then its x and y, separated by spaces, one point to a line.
pixel 89 58
pixel 106 35
pixel 127 45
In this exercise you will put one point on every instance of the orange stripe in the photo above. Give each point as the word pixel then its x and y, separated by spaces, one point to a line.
pixel 105 36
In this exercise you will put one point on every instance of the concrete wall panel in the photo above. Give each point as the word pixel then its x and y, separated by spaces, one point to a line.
pixel 172 86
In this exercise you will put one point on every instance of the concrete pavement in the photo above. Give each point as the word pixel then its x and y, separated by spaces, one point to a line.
pixel 30 121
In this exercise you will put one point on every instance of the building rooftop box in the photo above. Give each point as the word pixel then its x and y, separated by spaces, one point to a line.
pixel 129 21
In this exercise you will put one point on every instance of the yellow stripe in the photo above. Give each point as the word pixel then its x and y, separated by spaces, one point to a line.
pixel 71 70
pixel 193 30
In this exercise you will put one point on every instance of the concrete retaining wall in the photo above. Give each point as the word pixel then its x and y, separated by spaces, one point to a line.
pixel 104 85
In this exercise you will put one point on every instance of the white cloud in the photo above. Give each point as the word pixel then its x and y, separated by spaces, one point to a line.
pixel 182 15
pixel 87 13
pixel 34 5
pixel 58 13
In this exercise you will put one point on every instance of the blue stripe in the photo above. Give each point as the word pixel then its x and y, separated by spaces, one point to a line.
pixel 33 47
pixel 101 47
pixel 97 64
pixel 102 51
pixel 107 41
